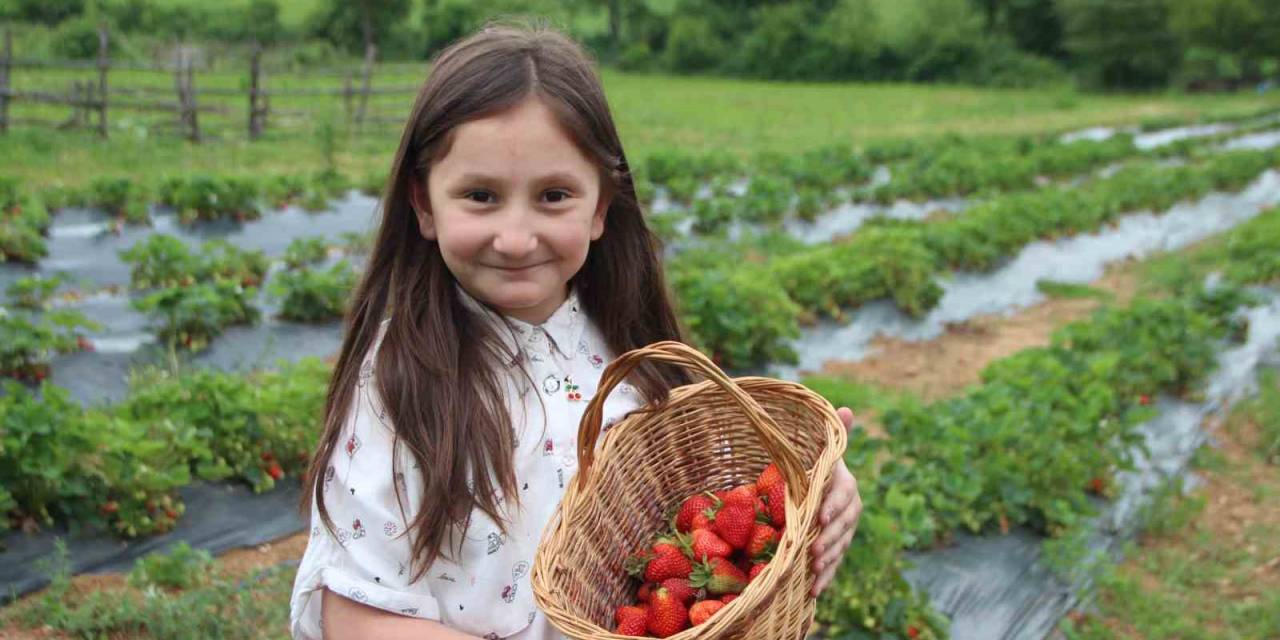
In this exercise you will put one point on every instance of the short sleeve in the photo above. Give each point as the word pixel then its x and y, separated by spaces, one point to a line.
pixel 367 557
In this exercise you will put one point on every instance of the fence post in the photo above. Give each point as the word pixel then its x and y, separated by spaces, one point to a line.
pixel 189 77
pixel 370 51
pixel 103 65
pixel 255 115
pixel 346 96
pixel 4 81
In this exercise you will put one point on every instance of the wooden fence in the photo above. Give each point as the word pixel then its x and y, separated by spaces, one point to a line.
pixel 92 99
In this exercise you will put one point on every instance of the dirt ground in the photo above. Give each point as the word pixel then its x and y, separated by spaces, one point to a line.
pixel 947 365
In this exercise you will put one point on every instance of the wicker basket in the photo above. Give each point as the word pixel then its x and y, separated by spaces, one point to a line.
pixel 711 435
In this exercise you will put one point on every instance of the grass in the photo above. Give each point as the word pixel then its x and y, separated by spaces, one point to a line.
pixel 653 112
pixel 1208 563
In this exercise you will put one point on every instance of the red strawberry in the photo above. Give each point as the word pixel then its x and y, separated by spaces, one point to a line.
pixel 763 542
pixel 83 343
pixel 703 544
pixel 642 594
pixel 110 507
pixel 743 563
pixel 631 620
pixel 776 501
pixel 769 477
pixel 718 576
pixel 680 588
pixel 692 506
pixel 275 471
pixel 699 612
pixel 733 523
pixel 755 570
pixel 667 614
pixel 1144 400
pixel 744 495
pixel 664 561
pixel 912 632
pixel 728 597
pixel 1097 485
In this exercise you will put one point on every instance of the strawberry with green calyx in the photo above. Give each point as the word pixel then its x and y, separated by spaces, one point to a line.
pixel 763 543
pixel 664 560
pixel 701 611
pixel 703 544
pixel 632 620
pixel 692 511
pixel 667 614
pixel 733 523
pixel 718 576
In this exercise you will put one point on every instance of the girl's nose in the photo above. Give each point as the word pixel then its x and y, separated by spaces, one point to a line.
pixel 515 239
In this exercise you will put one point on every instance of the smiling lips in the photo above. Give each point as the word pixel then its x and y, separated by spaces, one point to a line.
pixel 518 269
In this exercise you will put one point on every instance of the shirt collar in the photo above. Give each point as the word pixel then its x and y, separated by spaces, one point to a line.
pixel 564 327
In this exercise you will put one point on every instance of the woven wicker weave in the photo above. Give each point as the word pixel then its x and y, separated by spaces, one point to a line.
pixel 711 435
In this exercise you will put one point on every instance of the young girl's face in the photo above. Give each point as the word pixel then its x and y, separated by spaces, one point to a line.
pixel 514 206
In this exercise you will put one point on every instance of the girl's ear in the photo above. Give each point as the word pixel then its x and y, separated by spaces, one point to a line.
pixel 422 207
pixel 597 220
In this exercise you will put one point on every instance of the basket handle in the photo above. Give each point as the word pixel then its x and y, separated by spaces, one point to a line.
pixel 671 351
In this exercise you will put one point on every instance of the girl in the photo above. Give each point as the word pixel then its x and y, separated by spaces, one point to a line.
pixel 511 265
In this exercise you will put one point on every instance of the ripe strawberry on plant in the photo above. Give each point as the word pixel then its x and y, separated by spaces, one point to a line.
pixel 632 620
pixel 667 614
pixel 703 544
pixel 763 542
pixel 664 560
pixel 718 576
pixel 701 611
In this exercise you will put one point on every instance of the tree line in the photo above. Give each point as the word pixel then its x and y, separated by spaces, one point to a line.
pixel 1098 44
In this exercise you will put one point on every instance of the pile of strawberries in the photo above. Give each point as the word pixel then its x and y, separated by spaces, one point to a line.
pixel 716 545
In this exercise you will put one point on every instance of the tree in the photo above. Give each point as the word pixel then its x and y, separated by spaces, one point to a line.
pixel 357 24
pixel 1121 43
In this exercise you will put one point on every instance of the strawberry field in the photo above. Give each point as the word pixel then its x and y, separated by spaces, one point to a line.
pixel 165 336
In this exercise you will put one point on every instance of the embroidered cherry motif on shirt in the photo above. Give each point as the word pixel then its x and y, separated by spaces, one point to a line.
pixel 357 529
pixel 548 447
pixel 596 360
pixel 571 390
pixel 353 445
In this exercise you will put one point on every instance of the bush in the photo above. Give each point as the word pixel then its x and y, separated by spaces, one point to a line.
pixel 1121 45
pixel 692 45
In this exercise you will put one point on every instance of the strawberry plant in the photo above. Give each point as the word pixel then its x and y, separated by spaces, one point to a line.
pixel 191 316
pixel 739 316
pixel 314 295
pixel 33 292
pixel 165 261
pixel 29 341
pixel 121 198
pixel 211 198
pixel 303 252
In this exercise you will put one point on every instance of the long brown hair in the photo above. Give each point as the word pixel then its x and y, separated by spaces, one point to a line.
pixel 438 367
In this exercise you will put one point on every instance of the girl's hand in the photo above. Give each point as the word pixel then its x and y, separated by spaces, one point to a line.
pixel 841 507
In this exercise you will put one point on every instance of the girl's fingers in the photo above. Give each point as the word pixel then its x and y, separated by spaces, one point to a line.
pixel 836 553
pixel 823 579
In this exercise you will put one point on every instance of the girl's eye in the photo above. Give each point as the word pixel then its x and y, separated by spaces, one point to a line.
pixel 479 193
pixel 564 195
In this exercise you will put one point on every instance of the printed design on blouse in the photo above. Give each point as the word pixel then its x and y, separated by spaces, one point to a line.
pixel 413 611
pixel 551 384
pixel 357 530
pixel 492 636
pixel 560 476
pixel 328 476
pixel 582 346
pixel 343 536
pixel 366 372
pixel 389 529
pixel 352 446
pixel 446 577
pixel 400 570
pixel 494 542
pixel 315 531
pixel 571 390
pixel 548 448
pixel 357 594
pixel 517 571
pixel 596 361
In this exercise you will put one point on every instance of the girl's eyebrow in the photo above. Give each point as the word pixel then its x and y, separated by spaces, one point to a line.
pixel 556 176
